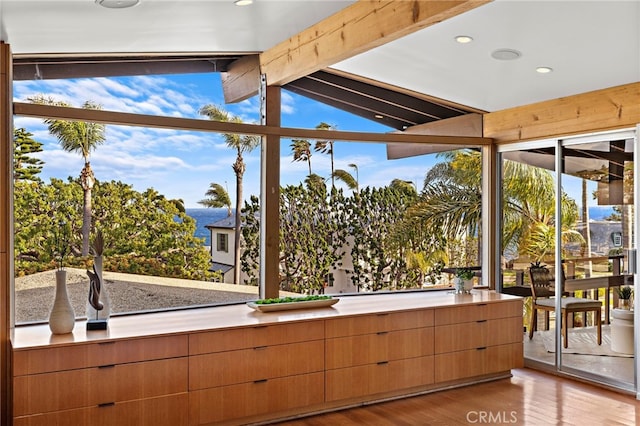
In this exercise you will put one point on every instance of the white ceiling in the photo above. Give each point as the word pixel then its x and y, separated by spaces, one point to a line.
pixel 590 44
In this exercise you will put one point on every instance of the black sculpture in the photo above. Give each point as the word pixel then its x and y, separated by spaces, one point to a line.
pixel 94 300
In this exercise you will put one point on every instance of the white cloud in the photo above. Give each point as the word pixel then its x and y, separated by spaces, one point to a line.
pixel 287 103
pixel 384 175
pixel 182 164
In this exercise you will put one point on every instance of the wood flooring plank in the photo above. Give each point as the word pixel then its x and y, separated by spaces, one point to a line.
pixel 530 397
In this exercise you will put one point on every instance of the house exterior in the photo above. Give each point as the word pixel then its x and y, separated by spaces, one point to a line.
pixel 223 247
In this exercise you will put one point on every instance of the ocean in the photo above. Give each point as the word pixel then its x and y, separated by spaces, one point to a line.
pixel 206 216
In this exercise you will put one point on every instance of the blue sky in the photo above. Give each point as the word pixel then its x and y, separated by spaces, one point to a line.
pixel 182 164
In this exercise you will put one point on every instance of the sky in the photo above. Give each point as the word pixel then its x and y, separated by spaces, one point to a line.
pixel 181 165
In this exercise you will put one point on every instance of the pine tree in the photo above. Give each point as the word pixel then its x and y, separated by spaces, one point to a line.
pixel 26 167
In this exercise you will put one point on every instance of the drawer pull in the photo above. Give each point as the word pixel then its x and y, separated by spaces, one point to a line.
pixel 381 333
pixel 107 366
pixel 107 404
pixel 260 381
pixel 481 321
pixel 481 348
pixel 383 314
pixel 107 343
pixel 258 348
pixel 481 304
pixel 260 326
pixel 382 362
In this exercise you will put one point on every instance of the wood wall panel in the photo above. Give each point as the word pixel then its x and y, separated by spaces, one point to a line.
pixel 613 108
pixel 6 232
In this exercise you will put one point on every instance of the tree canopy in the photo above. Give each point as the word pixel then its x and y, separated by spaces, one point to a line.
pixel 144 232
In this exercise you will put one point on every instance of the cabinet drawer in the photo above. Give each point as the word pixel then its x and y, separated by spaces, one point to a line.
pixel 383 346
pixel 480 311
pixel 370 324
pixel 251 399
pixel 169 410
pixel 251 337
pixel 471 335
pixel 33 361
pixel 248 365
pixel 477 362
pixel 377 378
pixel 63 390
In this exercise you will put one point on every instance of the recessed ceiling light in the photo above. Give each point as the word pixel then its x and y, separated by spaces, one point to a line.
pixel 379 117
pixel 544 70
pixel 117 4
pixel 505 54
pixel 463 39
pixel 243 2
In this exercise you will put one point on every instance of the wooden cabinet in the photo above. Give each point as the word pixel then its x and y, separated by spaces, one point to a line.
pixel 224 403
pixel 255 371
pixel 385 376
pixel 165 410
pixel 59 358
pixel 214 368
pixel 374 354
pixel 135 374
pixel 477 340
pixel 477 362
pixel 257 336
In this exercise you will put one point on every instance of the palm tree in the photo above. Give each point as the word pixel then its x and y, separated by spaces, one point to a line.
pixel 81 137
pixel 326 147
pixel 405 186
pixel 346 178
pixel 301 151
pixel 355 167
pixel 242 144
pixel 451 204
pixel 217 197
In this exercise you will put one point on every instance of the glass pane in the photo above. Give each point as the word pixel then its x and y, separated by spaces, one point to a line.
pixel 528 227
pixel 162 248
pixel 353 221
pixel 597 231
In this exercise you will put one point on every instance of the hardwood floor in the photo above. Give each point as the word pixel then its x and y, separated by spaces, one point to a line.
pixel 528 398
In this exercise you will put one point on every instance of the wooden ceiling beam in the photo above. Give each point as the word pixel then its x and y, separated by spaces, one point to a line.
pixel 242 79
pixel 468 125
pixel 191 124
pixel 606 109
pixel 357 28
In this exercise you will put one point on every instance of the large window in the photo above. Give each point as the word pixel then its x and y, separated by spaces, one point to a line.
pixel 354 221
pixel 351 220
pixel 151 196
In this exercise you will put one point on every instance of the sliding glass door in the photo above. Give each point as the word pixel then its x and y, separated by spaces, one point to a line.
pixel 569 228
pixel 596 239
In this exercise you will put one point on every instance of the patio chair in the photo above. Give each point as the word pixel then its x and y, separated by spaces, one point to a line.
pixel 543 297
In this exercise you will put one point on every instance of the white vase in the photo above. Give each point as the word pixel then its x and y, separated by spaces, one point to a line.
pixel 105 312
pixel 62 317
pixel 468 285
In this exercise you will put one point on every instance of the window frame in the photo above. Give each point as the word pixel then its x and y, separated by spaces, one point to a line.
pixel 222 242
